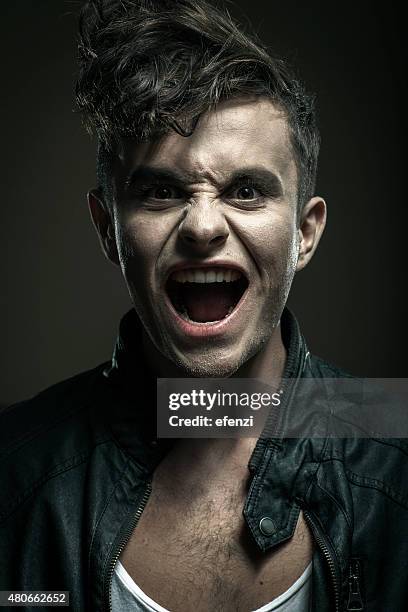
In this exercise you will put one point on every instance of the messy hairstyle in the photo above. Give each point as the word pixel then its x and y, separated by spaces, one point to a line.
pixel 150 66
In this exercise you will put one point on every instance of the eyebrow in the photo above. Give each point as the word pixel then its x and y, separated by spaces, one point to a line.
pixel 146 173
pixel 263 178
pixel 259 175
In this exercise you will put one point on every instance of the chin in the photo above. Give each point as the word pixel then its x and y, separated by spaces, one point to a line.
pixel 210 369
pixel 213 363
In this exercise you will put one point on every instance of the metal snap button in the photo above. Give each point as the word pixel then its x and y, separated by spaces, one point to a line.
pixel 267 526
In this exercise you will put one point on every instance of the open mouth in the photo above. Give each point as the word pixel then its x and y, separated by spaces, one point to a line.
pixel 206 295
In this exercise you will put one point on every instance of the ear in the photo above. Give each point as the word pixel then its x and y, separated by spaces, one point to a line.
pixel 103 224
pixel 311 226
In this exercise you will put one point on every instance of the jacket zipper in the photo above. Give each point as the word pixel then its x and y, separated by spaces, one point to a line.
pixel 355 600
pixel 125 538
pixel 321 541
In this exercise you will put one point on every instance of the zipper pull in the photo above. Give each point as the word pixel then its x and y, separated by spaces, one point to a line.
pixel 355 600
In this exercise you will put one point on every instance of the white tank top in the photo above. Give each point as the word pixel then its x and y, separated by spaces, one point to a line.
pixel 127 596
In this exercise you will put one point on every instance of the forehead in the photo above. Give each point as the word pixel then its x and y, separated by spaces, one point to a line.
pixel 241 132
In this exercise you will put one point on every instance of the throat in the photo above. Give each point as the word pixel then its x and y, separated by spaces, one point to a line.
pixel 196 471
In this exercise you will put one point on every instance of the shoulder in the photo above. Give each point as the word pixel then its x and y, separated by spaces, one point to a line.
pixel 43 412
pixel 50 434
pixel 367 428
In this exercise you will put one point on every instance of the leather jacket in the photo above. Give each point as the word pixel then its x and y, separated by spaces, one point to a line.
pixel 77 462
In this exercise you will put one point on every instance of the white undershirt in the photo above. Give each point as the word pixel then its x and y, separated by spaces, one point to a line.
pixel 126 595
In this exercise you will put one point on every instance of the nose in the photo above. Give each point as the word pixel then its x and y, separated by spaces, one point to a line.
pixel 204 227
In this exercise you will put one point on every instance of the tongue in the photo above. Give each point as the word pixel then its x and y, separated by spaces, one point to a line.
pixel 208 301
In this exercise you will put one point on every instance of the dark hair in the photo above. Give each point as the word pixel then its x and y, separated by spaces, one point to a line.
pixel 149 66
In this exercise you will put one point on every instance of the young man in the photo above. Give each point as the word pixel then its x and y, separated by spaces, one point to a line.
pixel 206 167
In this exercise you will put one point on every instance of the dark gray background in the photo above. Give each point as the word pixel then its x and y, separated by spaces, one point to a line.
pixel 61 301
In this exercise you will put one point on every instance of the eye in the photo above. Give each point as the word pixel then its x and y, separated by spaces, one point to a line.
pixel 163 192
pixel 247 192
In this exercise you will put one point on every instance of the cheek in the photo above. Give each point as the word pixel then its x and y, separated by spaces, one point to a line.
pixel 135 239
pixel 139 241
pixel 271 241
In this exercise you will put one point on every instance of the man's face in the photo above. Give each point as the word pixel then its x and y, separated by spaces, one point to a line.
pixel 206 233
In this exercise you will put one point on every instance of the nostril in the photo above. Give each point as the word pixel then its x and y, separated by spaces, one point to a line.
pixel 217 240
pixel 189 239
pixel 204 240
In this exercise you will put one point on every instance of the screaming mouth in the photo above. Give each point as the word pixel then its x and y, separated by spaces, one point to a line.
pixel 206 295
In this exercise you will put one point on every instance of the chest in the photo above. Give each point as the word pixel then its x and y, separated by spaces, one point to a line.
pixel 197 553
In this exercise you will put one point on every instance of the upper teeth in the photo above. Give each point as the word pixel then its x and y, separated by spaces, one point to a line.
pixel 210 275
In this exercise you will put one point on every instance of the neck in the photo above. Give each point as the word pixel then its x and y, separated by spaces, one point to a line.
pixel 266 365
pixel 269 363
